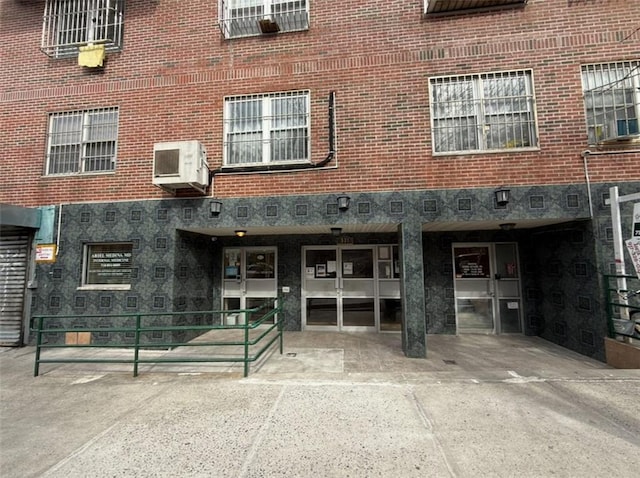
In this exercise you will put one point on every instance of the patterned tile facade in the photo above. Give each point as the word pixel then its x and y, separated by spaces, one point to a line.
pixel 175 270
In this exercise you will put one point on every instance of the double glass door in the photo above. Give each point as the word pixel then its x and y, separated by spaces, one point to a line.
pixel 249 280
pixel 487 288
pixel 351 288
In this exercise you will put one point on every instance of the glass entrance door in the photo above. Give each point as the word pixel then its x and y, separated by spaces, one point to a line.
pixel 487 288
pixel 339 288
pixel 249 279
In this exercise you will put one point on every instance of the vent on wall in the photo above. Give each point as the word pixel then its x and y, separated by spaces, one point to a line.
pixel 180 165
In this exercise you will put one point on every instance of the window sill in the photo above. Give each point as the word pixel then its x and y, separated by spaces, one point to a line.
pixel 486 151
pixel 260 34
pixel 265 167
pixel 75 175
pixel 105 287
pixel 631 145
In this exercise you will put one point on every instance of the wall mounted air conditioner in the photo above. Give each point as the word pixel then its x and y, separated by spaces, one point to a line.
pixel 624 128
pixel 180 165
pixel 621 130
pixel 268 25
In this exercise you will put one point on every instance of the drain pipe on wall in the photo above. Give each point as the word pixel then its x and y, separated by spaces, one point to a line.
pixel 585 159
pixel 58 231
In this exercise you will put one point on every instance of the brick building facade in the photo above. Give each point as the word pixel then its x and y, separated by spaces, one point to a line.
pixel 415 111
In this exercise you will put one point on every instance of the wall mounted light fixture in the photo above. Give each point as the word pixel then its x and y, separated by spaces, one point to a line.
pixel 343 202
pixel 215 207
pixel 502 196
pixel 336 231
pixel 241 233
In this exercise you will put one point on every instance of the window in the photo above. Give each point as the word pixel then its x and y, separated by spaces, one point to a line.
pixel 107 264
pixel 488 112
pixel 82 141
pixel 612 100
pixel 241 18
pixel 69 24
pixel 266 129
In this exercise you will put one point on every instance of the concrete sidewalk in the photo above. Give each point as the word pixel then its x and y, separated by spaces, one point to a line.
pixel 333 405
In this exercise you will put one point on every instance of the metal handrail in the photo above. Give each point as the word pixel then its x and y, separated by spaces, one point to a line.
pixel 274 312
pixel 618 298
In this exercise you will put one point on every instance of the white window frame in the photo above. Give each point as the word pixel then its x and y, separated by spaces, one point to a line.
pixel 113 262
pixel 486 130
pixel 262 145
pixel 242 18
pixel 70 24
pixel 77 143
pixel 611 100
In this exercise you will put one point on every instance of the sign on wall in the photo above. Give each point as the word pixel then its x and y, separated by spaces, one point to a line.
pixel 633 246
pixel 108 263
pixel 46 253
pixel 472 262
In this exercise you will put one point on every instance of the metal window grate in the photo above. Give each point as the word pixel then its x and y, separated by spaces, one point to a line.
pixel 267 128
pixel 69 24
pixel 448 6
pixel 82 141
pixel 486 112
pixel 612 100
pixel 242 18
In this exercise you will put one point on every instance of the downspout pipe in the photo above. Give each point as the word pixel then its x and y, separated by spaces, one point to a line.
pixel 585 159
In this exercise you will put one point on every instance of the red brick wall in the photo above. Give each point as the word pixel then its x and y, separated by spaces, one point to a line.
pixel 175 69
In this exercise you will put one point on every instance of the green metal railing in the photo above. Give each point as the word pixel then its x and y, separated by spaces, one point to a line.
pixel 261 332
pixel 623 305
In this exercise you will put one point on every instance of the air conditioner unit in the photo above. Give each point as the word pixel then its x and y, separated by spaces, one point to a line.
pixel 622 130
pixel 180 165
pixel 268 25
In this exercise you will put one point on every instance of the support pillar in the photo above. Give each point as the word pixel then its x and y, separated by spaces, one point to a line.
pixel 414 331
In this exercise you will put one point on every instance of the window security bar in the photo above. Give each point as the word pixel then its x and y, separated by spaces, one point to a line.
pixel 82 141
pixel 443 7
pixel 69 24
pixel 270 128
pixel 487 112
pixel 612 100
pixel 242 18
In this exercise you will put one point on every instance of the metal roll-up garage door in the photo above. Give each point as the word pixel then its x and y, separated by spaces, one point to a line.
pixel 14 258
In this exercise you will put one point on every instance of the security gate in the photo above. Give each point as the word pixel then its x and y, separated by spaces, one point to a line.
pixel 14 255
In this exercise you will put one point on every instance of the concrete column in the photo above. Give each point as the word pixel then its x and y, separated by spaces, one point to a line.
pixel 414 333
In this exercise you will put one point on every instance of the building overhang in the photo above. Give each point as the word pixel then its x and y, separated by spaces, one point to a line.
pixel 449 7
pixel 19 216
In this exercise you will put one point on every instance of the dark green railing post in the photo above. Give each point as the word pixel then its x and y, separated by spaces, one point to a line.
pixel 136 349
pixel 263 335
pixel 36 368
pixel 246 344
pixel 609 299
pixel 280 327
